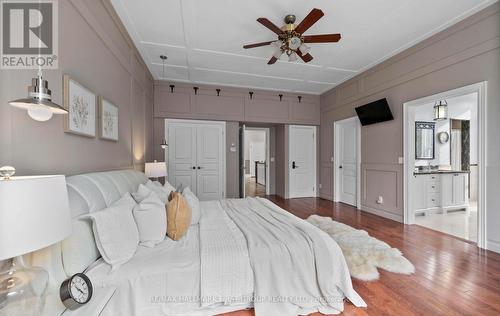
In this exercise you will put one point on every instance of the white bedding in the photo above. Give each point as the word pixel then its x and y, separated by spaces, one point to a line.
pixel 165 280
pixel 211 270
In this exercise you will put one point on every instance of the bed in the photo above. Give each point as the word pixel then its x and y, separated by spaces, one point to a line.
pixel 244 253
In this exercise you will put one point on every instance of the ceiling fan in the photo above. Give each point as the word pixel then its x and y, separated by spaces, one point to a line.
pixel 291 40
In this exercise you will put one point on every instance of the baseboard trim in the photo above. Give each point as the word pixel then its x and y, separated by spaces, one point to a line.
pixel 326 197
pixel 493 246
pixel 382 213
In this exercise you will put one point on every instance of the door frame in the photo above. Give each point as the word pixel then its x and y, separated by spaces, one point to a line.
pixel 336 152
pixel 409 152
pixel 292 194
pixel 223 176
pixel 267 130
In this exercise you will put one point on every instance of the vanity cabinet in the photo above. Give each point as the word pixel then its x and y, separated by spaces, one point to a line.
pixel 440 192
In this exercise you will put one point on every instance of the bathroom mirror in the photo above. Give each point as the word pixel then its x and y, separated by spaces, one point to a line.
pixel 424 140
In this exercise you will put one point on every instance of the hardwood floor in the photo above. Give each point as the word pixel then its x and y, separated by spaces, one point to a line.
pixel 252 188
pixel 453 276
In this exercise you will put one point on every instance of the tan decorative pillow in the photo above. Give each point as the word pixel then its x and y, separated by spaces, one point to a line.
pixel 178 216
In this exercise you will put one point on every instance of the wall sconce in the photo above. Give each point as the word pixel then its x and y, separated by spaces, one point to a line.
pixel 281 97
pixel 172 86
pixel 251 95
pixel 441 110
pixel 164 144
pixel 300 98
pixel 218 91
pixel 195 90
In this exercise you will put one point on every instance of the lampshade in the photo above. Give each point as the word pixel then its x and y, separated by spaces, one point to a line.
pixel 39 101
pixel 34 213
pixel 156 169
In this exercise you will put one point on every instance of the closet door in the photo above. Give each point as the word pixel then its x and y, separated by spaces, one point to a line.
pixel 182 155
pixel 210 162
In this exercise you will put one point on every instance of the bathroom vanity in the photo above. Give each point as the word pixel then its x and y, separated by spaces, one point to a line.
pixel 440 191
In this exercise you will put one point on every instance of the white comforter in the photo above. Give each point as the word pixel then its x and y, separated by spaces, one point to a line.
pixel 298 269
pixel 242 250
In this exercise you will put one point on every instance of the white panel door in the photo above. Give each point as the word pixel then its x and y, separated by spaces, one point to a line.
pixel 347 162
pixel 196 158
pixel 182 155
pixel 209 162
pixel 302 161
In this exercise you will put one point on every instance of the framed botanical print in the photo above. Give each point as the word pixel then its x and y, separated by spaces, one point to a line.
pixel 108 120
pixel 81 104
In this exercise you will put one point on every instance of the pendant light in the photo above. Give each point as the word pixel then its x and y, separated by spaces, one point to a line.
pixel 39 101
pixel 163 58
pixel 440 110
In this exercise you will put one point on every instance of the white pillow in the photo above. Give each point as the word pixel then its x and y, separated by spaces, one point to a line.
pixel 194 204
pixel 115 231
pixel 162 192
pixel 142 193
pixel 151 219
pixel 168 187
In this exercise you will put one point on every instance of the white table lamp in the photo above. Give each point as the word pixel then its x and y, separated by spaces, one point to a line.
pixel 34 214
pixel 155 169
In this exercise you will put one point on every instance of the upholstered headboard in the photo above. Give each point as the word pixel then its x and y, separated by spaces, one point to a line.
pixel 87 193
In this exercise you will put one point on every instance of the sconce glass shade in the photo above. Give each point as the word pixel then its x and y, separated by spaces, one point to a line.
pixel 440 110
pixel 39 101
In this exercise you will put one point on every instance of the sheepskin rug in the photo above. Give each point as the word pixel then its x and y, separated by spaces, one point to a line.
pixel 363 253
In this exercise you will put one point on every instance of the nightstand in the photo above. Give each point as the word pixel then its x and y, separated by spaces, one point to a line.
pixel 100 298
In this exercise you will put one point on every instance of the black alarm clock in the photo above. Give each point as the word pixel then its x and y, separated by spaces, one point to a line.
pixel 76 291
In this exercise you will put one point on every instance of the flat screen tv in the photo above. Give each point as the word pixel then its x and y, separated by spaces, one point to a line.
pixel 374 112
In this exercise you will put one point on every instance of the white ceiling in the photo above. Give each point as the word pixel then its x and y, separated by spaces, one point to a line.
pixel 203 39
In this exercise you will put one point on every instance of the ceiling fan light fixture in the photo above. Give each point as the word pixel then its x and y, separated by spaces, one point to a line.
pixel 294 43
pixel 277 52
pixel 292 56
pixel 304 49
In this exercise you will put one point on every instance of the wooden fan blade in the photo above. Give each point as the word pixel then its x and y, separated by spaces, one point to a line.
pixel 257 44
pixel 272 60
pixel 306 58
pixel 323 38
pixel 270 25
pixel 309 20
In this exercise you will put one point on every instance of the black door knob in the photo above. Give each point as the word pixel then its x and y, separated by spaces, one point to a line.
pixel 199 167
pixel 194 167
pixel 340 167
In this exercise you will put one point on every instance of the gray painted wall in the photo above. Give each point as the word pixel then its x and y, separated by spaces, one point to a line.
pixel 93 50
pixel 464 54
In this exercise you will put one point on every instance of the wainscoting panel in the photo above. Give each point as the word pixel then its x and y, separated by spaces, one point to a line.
pixel 382 180
pixel 266 110
pixel 166 102
pixel 214 107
